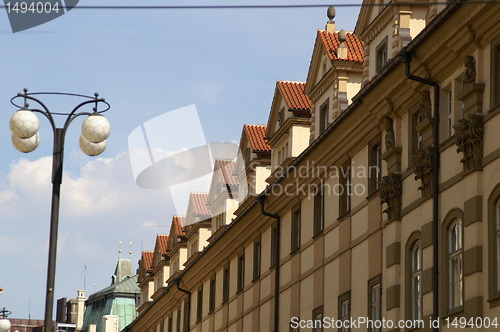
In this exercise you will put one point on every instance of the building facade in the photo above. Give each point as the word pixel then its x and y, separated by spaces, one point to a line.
pixel 381 194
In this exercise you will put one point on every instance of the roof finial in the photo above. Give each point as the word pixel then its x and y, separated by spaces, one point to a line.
pixel 330 25
pixel 119 249
pixel 330 13
pixel 342 49
pixel 130 251
pixel 342 36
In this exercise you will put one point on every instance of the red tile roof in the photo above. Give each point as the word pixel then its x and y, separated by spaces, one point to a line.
pixel 226 168
pixel 200 204
pixel 147 260
pixel 355 46
pixel 162 239
pixel 256 135
pixel 178 222
pixel 293 92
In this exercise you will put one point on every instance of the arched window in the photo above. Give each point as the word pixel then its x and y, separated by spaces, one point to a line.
pixel 416 282
pixel 455 265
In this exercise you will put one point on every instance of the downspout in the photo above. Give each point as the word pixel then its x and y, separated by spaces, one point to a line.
pixel 178 282
pixel 262 200
pixel 406 58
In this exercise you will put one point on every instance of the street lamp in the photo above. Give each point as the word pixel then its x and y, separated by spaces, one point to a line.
pixel 4 322
pixel 25 138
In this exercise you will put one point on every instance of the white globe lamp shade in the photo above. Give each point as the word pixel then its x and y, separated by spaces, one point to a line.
pixel 26 144
pixel 4 325
pixel 91 148
pixel 96 128
pixel 24 123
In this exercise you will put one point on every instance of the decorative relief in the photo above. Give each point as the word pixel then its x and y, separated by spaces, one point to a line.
pixel 390 138
pixel 390 193
pixel 469 140
pixel 470 70
pixel 425 107
pixel 423 169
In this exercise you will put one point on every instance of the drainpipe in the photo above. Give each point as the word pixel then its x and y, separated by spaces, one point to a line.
pixel 262 200
pixel 406 58
pixel 178 282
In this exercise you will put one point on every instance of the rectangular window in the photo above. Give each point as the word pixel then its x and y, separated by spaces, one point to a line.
pixel 186 315
pixel 416 282
pixel 344 309
pixel 199 305
pixel 497 210
pixel 281 117
pixel 295 233
pixel 455 261
pixel 416 138
pixel 374 298
pixel 345 189
pixel 323 117
pixel 241 272
pixel 319 210
pixel 449 118
pixel 273 245
pixel 381 55
pixel 374 167
pixel 257 258
pixel 225 284
pixel 317 315
pixel 211 303
pixel 495 60
pixel 178 326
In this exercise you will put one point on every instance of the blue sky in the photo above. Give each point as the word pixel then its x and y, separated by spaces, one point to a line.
pixel 145 63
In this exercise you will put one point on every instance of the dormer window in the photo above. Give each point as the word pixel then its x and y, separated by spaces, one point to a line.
pixel 381 54
pixel 323 117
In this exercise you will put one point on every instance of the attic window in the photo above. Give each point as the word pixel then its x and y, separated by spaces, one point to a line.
pixel 381 54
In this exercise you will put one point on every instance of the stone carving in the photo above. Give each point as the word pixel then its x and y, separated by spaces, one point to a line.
pixel 470 70
pixel 469 140
pixel 425 107
pixel 390 193
pixel 423 169
pixel 390 138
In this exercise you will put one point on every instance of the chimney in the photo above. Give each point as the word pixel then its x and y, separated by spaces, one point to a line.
pixel 80 309
pixel 342 50
pixel 330 25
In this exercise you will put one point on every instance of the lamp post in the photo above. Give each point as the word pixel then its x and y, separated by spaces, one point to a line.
pixel 25 138
pixel 4 322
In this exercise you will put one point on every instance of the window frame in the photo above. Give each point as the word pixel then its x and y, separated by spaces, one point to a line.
pixel 199 304
pixel 317 314
pixel 495 74
pixel 226 280
pixel 319 210
pixel 454 217
pixel 296 221
pixel 240 282
pixel 374 165
pixel 323 116
pixel 455 258
pixel 257 258
pixel 178 325
pixel 211 294
pixel 373 283
pixel 187 304
pixel 345 298
pixel 345 196
pixel 381 49
pixel 274 251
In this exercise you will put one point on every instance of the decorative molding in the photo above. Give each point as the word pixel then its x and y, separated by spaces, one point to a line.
pixel 391 194
pixel 390 137
pixel 469 140
pixel 423 169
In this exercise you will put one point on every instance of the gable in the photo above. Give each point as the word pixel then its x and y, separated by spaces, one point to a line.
pixel 367 14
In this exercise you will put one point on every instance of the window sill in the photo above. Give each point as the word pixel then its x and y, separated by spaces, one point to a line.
pixel 494 300
pixel 294 251
pixel 373 193
pixel 452 313
pixel 318 235
pixel 344 216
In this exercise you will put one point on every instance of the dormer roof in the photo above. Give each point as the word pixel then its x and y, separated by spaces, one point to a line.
pixel 293 93
pixel 355 47
pixel 256 136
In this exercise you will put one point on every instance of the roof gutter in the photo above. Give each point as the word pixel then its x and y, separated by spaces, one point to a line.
pixel 178 282
pixel 262 199
pixel 406 58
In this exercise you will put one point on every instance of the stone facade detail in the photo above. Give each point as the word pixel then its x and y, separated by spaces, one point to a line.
pixel 423 170
pixel 390 193
pixel 469 140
